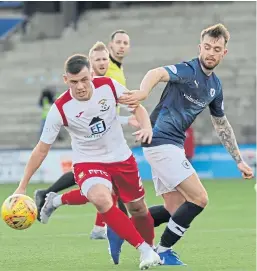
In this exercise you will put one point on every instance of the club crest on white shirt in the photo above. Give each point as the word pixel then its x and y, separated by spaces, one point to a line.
pixel 104 105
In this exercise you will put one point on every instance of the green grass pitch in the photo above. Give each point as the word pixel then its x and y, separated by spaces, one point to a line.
pixel 222 238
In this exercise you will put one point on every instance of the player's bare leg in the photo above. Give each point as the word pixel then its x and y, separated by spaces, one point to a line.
pixel 173 201
pixel 162 213
pixel 193 191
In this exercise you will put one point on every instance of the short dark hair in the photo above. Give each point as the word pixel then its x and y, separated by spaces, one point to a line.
pixel 216 31
pixel 75 63
pixel 120 31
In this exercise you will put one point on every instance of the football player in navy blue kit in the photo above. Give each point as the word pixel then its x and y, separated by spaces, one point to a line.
pixel 191 87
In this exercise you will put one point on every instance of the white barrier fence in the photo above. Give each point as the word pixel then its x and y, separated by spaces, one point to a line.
pixel 12 164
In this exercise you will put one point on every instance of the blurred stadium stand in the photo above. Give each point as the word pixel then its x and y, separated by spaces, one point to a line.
pixel 8 24
pixel 160 35
pixel 11 21
pixel 10 4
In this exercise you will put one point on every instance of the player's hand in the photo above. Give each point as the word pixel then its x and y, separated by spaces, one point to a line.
pixel 130 104
pixel 20 190
pixel 134 105
pixel 132 97
pixel 144 135
pixel 132 121
pixel 247 172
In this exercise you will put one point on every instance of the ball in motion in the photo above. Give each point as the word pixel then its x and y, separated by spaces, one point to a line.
pixel 19 211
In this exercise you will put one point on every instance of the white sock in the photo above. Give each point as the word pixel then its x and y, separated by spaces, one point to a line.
pixel 98 228
pixel 57 201
pixel 161 249
pixel 144 247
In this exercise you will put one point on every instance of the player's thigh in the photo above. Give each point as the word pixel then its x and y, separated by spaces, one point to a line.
pixel 193 190
pixel 173 200
pixel 88 175
pixel 169 167
pixel 127 181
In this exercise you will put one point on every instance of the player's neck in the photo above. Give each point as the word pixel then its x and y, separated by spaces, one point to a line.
pixel 206 71
pixel 116 60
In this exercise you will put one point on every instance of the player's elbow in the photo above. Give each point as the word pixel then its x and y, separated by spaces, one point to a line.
pixel 160 74
pixel 42 149
pixel 155 73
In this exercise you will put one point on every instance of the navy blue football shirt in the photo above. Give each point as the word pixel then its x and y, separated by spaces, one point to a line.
pixel 188 92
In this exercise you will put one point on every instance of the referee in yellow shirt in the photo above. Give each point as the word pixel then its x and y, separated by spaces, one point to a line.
pixel 119 48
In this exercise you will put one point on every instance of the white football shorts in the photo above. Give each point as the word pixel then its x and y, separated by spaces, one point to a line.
pixel 169 165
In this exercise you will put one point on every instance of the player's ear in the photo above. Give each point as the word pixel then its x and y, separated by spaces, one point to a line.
pixel 225 52
pixel 199 47
pixel 65 79
pixel 128 51
pixel 110 46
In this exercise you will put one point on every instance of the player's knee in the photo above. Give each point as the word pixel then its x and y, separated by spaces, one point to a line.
pixel 103 202
pixel 138 208
pixel 101 197
pixel 138 211
pixel 202 200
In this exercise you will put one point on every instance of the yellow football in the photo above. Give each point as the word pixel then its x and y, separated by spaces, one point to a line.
pixel 19 211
